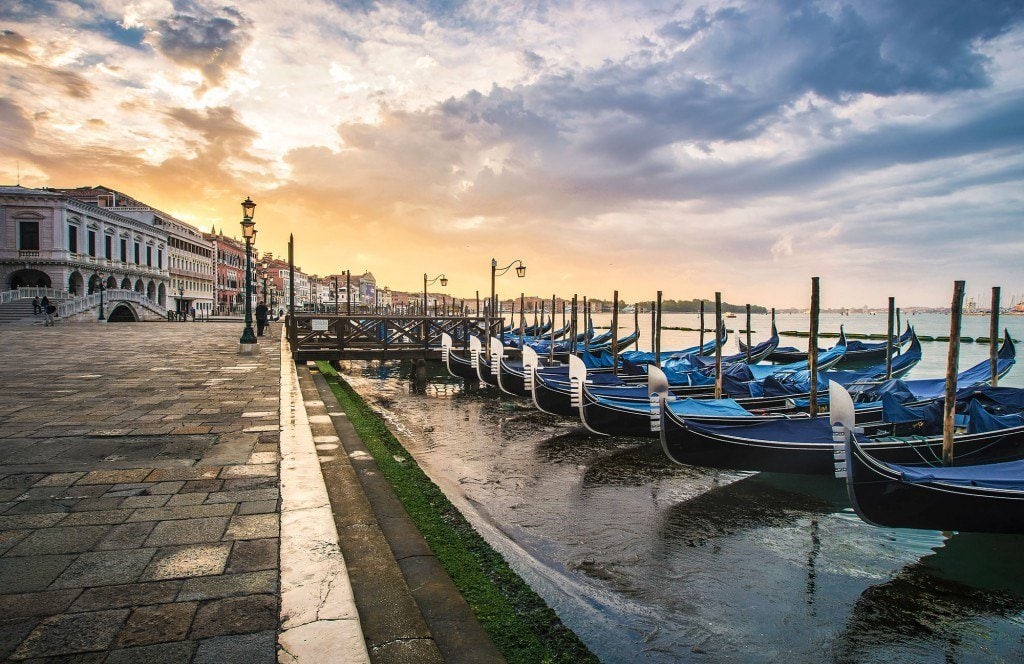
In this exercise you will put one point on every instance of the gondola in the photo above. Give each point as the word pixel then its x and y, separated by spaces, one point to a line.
pixel 856 351
pixel 458 366
pixel 798 446
pixel 978 498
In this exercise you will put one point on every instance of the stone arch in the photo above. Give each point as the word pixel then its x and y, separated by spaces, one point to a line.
pixel 123 313
pixel 151 291
pixel 111 282
pixel 162 295
pixel 126 284
pixel 94 284
pixel 29 278
pixel 139 286
pixel 76 283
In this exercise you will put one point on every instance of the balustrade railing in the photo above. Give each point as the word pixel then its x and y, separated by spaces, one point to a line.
pixel 22 293
pixel 110 297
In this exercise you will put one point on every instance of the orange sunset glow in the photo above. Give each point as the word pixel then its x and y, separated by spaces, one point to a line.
pixel 689 147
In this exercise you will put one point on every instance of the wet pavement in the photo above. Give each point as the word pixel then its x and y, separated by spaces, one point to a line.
pixel 139 516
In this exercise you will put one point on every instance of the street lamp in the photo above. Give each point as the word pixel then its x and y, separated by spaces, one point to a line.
pixel 495 272
pixel 99 281
pixel 444 282
pixel 248 232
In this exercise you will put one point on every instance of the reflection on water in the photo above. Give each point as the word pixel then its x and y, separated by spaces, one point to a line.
pixel 653 562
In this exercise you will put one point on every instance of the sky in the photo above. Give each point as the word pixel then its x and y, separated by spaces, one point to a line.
pixel 691 147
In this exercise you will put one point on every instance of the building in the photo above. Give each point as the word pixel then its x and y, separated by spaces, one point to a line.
pixel 190 260
pixel 54 240
pixel 229 272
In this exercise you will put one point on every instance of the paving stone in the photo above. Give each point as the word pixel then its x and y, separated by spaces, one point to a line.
pixel 229 585
pixel 245 483
pixel 253 526
pixel 190 560
pixel 134 502
pixel 8 538
pixel 105 568
pixel 258 648
pixel 252 555
pixel 115 476
pixel 263 457
pixel 102 503
pixel 46 603
pixel 161 653
pixel 45 506
pixel 256 470
pixel 24 521
pixel 126 536
pixel 127 595
pixel 167 487
pixel 59 540
pixel 186 512
pixel 95 517
pixel 201 486
pixel 235 615
pixel 157 624
pixel 72 633
pixel 12 632
pixel 243 495
pixel 187 474
pixel 20 481
pixel 258 507
pixel 188 531
pixel 181 499
pixel 60 492
pixel 21 575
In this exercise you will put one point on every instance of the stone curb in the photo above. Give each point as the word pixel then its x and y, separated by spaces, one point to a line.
pixel 319 622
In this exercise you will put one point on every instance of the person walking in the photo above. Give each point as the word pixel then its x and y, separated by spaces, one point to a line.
pixel 261 318
pixel 44 306
pixel 36 307
pixel 49 310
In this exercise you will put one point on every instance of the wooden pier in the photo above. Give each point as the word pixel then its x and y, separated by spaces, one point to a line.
pixel 370 336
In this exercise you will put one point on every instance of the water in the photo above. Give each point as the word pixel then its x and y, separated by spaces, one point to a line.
pixel 652 562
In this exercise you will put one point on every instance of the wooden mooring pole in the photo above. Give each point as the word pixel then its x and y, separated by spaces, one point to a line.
pixel 956 311
pixel 701 327
pixel 657 334
pixel 551 349
pixel 653 323
pixel 993 339
pixel 812 345
pixel 718 346
pixel 748 334
pixel 888 338
pixel 615 333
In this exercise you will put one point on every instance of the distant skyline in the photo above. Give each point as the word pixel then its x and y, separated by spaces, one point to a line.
pixel 691 147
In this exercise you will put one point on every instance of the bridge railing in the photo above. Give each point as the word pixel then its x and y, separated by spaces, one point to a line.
pixel 323 333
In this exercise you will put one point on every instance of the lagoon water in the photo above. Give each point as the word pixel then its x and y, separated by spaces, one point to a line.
pixel 653 562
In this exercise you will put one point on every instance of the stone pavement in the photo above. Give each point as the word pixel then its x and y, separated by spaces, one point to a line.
pixel 139 502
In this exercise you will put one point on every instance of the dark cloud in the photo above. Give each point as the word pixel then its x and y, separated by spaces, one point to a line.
pixel 224 135
pixel 208 38
pixel 15 127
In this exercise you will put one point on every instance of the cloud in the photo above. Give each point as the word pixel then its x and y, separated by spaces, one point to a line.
pixel 26 69
pixel 208 38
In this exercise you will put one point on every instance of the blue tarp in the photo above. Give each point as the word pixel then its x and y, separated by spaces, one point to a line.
pixel 982 421
pixel 1007 475
pixel 707 408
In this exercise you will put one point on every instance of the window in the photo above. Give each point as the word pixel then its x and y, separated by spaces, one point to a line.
pixel 107 251
pixel 124 250
pixel 28 235
pixel 137 261
pixel 149 256
pixel 92 243
pixel 160 258
pixel 73 239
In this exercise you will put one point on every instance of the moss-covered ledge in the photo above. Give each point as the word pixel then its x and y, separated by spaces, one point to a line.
pixel 518 620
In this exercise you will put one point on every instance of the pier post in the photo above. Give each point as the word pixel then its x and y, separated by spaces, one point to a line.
pixel 293 335
pixel 701 327
pixel 615 333
pixel 718 345
pixel 812 345
pixel 653 323
pixel 748 334
pixel 899 331
pixel 993 338
pixel 586 325
pixel 657 350
pixel 888 338
pixel 551 349
pixel 956 311
pixel 636 325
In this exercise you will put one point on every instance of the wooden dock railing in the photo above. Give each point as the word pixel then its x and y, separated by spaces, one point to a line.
pixel 363 336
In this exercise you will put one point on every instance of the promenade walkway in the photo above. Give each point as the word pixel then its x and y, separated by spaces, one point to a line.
pixel 162 499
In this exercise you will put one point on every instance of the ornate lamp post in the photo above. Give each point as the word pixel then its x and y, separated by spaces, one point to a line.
pixel 248 232
pixel 444 282
pixel 181 301
pixel 495 272
pixel 99 281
